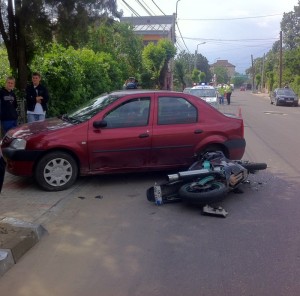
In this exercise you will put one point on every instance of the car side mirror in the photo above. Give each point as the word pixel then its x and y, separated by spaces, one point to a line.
pixel 100 123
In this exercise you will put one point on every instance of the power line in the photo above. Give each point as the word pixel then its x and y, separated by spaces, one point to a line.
pixel 148 7
pixel 231 19
pixel 182 38
pixel 158 8
pixel 143 7
pixel 130 8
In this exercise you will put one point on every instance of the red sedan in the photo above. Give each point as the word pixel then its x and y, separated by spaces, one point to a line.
pixel 124 131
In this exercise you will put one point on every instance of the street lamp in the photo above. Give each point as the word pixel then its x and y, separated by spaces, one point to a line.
pixel 176 9
pixel 196 53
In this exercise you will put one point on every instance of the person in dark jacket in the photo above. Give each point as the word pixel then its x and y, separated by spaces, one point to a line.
pixel 8 105
pixel 37 99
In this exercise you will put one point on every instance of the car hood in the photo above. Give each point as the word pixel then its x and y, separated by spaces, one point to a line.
pixel 28 129
pixel 209 99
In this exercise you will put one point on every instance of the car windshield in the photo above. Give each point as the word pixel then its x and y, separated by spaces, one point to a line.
pixel 203 92
pixel 285 92
pixel 91 108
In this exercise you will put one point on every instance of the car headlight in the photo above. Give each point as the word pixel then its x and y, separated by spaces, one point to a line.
pixel 19 144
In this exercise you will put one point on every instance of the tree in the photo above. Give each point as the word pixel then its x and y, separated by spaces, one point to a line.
pixel 290 26
pixel 156 59
pixel 179 70
pixel 20 24
pixel 257 80
pixel 24 25
pixel 195 75
pixel 203 66
pixel 186 60
pixel 222 75
pixel 202 76
pixel 71 19
pixel 121 42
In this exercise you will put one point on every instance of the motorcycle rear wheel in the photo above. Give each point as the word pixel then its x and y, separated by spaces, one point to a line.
pixel 215 192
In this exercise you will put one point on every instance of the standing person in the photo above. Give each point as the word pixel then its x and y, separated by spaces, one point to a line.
pixel 37 99
pixel 8 105
pixel 228 91
pixel 221 91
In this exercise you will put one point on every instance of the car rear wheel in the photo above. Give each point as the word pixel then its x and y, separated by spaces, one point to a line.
pixel 56 171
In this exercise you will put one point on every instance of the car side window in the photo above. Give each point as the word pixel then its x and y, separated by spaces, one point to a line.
pixel 131 113
pixel 174 110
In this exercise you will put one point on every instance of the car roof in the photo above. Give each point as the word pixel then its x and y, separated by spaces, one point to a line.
pixel 143 91
pixel 203 87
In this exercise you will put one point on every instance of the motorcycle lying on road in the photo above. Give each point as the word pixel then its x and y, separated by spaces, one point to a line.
pixel 206 182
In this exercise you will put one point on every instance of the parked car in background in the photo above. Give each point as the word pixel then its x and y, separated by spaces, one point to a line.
pixel 242 88
pixel 284 96
pixel 187 90
pixel 206 92
pixel 124 131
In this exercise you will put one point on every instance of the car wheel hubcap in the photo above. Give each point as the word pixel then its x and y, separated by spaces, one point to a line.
pixel 58 172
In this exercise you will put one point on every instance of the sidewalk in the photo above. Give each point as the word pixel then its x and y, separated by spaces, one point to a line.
pixel 23 209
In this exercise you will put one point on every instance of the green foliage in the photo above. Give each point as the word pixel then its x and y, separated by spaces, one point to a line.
pixel 156 59
pixel 202 76
pixel 73 19
pixel 179 74
pixel 153 59
pixel 239 80
pixel 121 42
pixel 188 61
pixel 195 75
pixel 222 75
pixel 258 80
pixel 73 77
pixel 4 66
pixel 290 26
pixel 271 80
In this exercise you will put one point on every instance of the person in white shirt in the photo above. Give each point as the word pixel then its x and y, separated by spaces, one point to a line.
pixel 37 98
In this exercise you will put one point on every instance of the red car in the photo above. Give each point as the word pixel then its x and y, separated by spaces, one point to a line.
pixel 124 131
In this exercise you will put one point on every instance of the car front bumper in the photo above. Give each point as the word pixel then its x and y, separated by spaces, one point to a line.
pixel 20 162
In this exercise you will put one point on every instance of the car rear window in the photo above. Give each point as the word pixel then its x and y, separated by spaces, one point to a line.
pixel 174 110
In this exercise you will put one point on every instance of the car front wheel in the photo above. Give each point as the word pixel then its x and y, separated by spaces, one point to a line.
pixel 56 171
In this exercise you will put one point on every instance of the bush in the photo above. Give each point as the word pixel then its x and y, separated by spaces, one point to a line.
pixel 75 76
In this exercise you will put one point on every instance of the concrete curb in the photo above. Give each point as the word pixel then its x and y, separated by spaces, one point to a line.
pixel 16 238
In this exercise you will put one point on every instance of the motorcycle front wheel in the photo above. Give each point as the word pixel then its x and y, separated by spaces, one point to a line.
pixel 210 193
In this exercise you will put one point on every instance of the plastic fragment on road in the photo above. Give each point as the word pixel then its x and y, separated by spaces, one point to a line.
pixel 217 212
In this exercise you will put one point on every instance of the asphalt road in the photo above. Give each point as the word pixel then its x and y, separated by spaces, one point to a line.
pixel 106 239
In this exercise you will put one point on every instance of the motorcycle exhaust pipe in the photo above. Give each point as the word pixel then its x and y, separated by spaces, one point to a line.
pixel 187 175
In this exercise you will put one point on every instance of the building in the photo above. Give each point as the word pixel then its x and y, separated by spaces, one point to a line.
pixel 152 29
pixel 223 64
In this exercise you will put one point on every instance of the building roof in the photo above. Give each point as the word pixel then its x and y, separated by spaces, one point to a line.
pixel 146 25
pixel 222 63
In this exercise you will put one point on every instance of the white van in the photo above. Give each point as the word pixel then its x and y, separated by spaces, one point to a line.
pixel 205 92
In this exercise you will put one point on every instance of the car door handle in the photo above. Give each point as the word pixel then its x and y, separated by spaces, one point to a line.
pixel 198 131
pixel 145 135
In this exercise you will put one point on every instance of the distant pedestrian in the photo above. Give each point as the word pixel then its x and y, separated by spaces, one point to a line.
pixel 37 98
pixel 228 91
pixel 221 92
pixel 8 105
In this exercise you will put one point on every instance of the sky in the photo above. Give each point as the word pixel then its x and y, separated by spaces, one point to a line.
pixel 232 30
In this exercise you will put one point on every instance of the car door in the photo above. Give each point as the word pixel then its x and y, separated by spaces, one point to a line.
pixel 176 131
pixel 125 142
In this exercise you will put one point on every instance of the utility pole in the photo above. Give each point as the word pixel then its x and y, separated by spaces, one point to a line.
pixel 280 61
pixel 253 74
pixel 263 73
pixel 196 54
